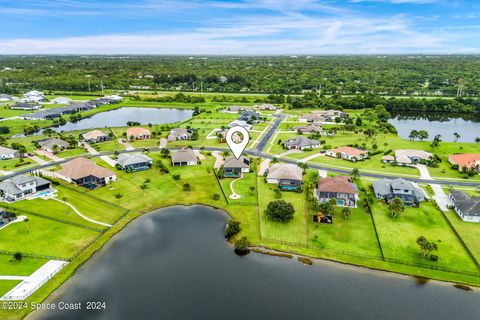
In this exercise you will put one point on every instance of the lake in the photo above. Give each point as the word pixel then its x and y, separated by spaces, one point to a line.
pixel 119 118
pixel 467 125
pixel 175 264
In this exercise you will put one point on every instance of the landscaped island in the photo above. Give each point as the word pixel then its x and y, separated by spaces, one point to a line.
pixel 321 183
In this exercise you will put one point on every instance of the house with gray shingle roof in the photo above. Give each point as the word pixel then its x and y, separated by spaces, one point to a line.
pixel 180 134
pixel 234 167
pixel 53 145
pixel 467 208
pixel 20 186
pixel 301 143
pixel 7 153
pixel 388 189
pixel 286 176
pixel 184 157
pixel 131 162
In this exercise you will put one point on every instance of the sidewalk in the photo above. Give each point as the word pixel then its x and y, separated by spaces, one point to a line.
pixel 218 159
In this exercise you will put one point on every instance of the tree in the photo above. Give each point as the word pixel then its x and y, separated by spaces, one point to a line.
pixel 477 140
pixel 422 134
pixel 436 141
pixel 216 196
pixel 347 212
pixel 355 173
pixel 233 227
pixel 144 187
pixel 413 135
pixel 241 246
pixel 186 187
pixel 327 208
pixel 118 195
pixel 278 193
pixel 396 207
pixel 456 136
pixel 165 152
pixel 426 247
pixel 17 256
pixel 25 223
pixel 279 210
pixel 252 190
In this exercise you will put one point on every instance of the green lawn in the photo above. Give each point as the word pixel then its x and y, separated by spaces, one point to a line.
pixel 469 231
pixel 44 237
pixel 295 230
pixel 24 267
pixel 241 187
pixel 7 285
pixel 398 236
pixel 15 164
pixel 56 209
pixel 90 207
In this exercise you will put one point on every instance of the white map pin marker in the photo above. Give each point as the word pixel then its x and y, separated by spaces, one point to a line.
pixel 237 139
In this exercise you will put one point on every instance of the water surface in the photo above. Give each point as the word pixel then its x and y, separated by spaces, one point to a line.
pixel 120 117
pixel 175 264
pixel 445 124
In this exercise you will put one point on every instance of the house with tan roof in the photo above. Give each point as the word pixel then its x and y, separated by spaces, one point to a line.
pixel 184 157
pixel 340 188
pixel 410 157
pixel 309 129
pixel 180 134
pixel 138 133
pixel 348 153
pixel 301 143
pixel 85 173
pixel 94 136
pixel 287 176
pixel 466 160
pixel 53 145
pixel 266 107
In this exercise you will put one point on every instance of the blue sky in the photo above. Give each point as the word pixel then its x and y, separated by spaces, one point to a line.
pixel 239 27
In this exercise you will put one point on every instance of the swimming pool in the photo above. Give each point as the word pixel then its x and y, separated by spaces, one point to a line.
pixel 41 194
pixel 340 202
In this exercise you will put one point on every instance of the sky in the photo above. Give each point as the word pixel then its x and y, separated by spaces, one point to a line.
pixel 240 27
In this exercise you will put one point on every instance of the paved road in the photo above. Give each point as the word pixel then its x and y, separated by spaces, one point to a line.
pixel 267 156
pixel 261 145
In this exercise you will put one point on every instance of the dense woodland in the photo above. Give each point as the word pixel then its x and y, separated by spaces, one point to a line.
pixel 343 75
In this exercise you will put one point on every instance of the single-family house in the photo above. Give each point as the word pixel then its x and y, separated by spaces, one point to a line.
pixel 388 189
pixel 234 167
pixel 21 186
pixel 33 96
pixel 53 145
pixel 131 162
pixel 184 157
pixel 301 143
pixel 26 106
pixel 467 208
pixel 233 109
pixel 388 159
pixel 319 116
pixel 114 98
pixel 6 217
pixel 61 100
pixel 466 160
pixel 286 176
pixel 250 117
pixel 180 134
pixel 6 97
pixel 240 123
pixel 309 129
pixel 86 173
pixel 138 133
pixel 94 136
pixel 410 157
pixel 266 107
pixel 7 153
pixel 348 153
pixel 340 188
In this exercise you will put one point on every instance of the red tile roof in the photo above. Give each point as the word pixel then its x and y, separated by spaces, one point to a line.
pixel 350 151
pixel 465 159
pixel 341 184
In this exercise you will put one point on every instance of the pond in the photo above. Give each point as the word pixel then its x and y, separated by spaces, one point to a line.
pixel 175 264
pixel 120 117
pixel 445 124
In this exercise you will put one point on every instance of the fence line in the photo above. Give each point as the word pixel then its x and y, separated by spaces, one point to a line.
pixel 220 185
pixel 33 255
pixel 79 225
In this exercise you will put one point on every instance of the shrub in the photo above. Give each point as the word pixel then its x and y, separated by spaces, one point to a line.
pixel 241 246
pixel 176 177
pixel 233 227
pixel 216 196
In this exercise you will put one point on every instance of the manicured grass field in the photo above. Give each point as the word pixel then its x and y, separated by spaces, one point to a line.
pixel 24 267
pixel 469 231
pixel 90 207
pixel 15 164
pixel 54 209
pixel 398 236
pixel 295 230
pixel 7 285
pixel 44 237
pixel 242 188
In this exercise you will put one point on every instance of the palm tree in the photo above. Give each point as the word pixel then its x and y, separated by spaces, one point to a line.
pixel 355 173
pixel 25 223
pixel 456 136
pixel 396 207
pixel 385 146
pixel 477 140
pixel 346 211
pixel 252 190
